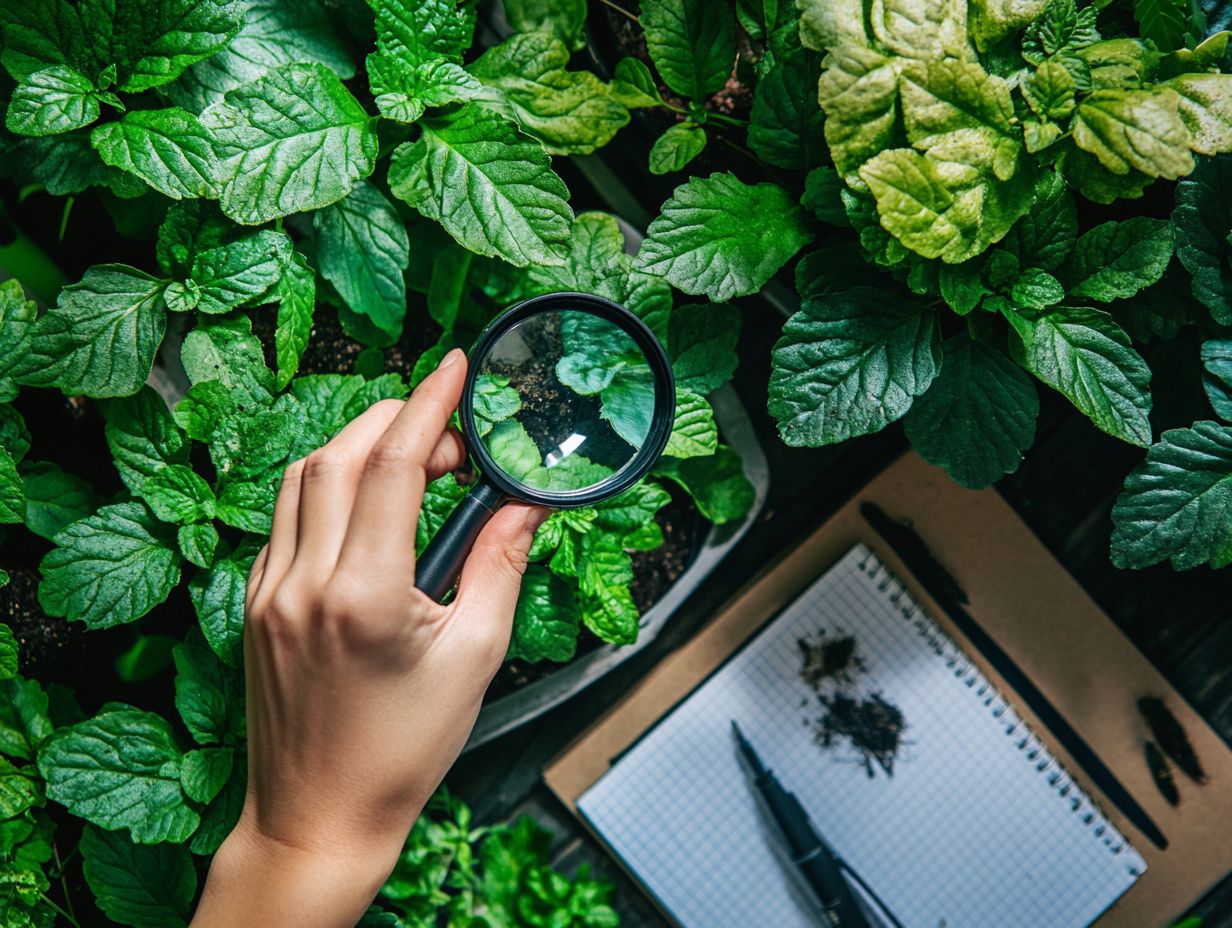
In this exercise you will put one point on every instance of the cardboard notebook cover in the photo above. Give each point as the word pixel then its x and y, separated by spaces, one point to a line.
pixel 1021 596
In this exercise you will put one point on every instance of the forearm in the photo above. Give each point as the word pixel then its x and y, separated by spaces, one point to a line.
pixel 258 881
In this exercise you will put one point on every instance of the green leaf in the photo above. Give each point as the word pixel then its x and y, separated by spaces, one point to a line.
pixel 1083 354
pixel 190 227
pixel 633 85
pixel 1116 260
pixel 241 272
pixel 823 196
pixel 248 506
pixel 1135 129
pixel 24 724
pixel 294 139
pixel 785 125
pixel 676 147
pixel 403 92
pixel 1205 107
pixel 1045 236
pixel 19 789
pixel 571 112
pixel 545 625
pixel 720 237
pixel 226 350
pixel 978 417
pixel 1175 503
pixel 1202 219
pixel 1036 289
pixel 859 93
pixel 702 342
pixel 333 400
pixel 961 285
pixel 138 885
pixel 53 100
pixel 220 816
pixel 205 772
pixel 17 317
pixel 197 543
pixel 218 599
pixel 694 432
pixel 274 33
pixel 493 401
pixel 514 451
pixel 925 31
pixel 208 694
pixel 66 164
pixel 8 651
pixel 491 188
pixel 363 250
pixel 1164 22
pixel 177 495
pixel 1217 376
pixel 12 493
pixel 109 568
pixel 604 575
pixel 1095 182
pixel 564 19
pixel 101 336
pixel 120 769
pixel 850 363
pixel 168 149
pixel 632 509
pixel 692 43
pixel 1050 91
pixel 143 437
pixel 415 31
pixel 992 20
pixel 441 497
pixel 297 291
pixel 203 408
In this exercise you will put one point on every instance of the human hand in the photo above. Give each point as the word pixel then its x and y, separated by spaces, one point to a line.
pixel 361 690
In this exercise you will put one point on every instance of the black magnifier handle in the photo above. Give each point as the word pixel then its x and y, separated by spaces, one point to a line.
pixel 439 565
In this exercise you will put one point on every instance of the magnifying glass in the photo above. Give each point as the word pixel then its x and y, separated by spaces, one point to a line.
pixel 569 400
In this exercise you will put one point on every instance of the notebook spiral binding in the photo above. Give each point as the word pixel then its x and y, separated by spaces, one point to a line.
pixel 1081 804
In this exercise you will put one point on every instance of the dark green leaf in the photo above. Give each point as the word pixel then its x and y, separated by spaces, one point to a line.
pixel 240 272
pixel 218 599
pixel 24 724
pixel 1045 236
pixel 177 495
pixel 220 816
pixel 1164 22
pixel 850 363
pixel 676 147
pixel 1115 260
pixel 692 43
pixel 415 31
pixel 54 498
pixel 604 575
pixel 1175 504
pixel 12 493
pixel 138 885
pixel 702 342
pixel 19 789
pixel 1217 376
pixel 1036 289
pixel 143 437
pixel 205 772
pixel 545 625
pixel 208 694
pixel 785 125
pixel 197 543
pixel 717 483
pixel 120 769
pixel 297 291
pixel 168 149
pixel 822 196
pixel 564 19
pixel 1202 220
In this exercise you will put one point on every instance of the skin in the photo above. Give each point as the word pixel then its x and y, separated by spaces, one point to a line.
pixel 361 690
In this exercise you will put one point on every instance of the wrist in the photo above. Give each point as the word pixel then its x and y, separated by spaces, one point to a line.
pixel 258 879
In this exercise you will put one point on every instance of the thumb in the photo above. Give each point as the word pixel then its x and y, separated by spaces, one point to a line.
pixel 492 576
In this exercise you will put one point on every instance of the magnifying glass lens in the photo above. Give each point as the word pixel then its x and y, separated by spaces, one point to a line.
pixel 563 400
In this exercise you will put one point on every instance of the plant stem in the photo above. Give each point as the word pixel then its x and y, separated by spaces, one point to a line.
pixel 68 208
pixel 735 146
pixel 621 10
pixel 727 120
pixel 59 911
pixel 68 900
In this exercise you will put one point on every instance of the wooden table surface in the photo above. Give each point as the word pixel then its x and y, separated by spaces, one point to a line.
pixel 1064 491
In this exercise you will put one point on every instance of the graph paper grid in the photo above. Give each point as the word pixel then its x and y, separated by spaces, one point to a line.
pixel 977 827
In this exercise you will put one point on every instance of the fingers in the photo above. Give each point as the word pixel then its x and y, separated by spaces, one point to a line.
pixel 387 500
pixel 283 535
pixel 328 481
pixel 492 575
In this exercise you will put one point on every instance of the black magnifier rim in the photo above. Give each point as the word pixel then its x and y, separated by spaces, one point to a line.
pixel 660 424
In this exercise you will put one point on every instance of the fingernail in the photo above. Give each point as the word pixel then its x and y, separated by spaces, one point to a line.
pixel 450 359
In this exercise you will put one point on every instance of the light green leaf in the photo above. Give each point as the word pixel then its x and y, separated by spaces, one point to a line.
pixel 441 497
pixel 1036 289
pixel 240 272
pixel 208 694
pixel 8 650
pixel 978 417
pixel 218 599
pixel 135 884
pixel 826 24
pixel 604 575
pixel 143 437
pixel 493 401
pixel 274 33
pixel 1217 376
pixel 248 506
pixel 205 772
pixel 197 543
pixel 168 149
pixel 859 93
pixel 992 20
pixel 203 407
pixel 1050 91
pixel 514 451
pixel 176 494
pixel 633 85
pixel 1083 354
pixel 402 92
pixel 921 30
pixel 17 316
pixel 492 188
pixel 333 400
pixel 101 336
pixel 120 769
pixel 1175 503
pixel 1205 107
pixel 12 493
pixel 702 342
pixel 415 31
pixel 545 625
pixel 226 350
pixel 294 139
pixel 297 291
pixel 850 363
pixel 721 237
pixel 109 568
pixel 692 43
pixel 694 432
pixel 24 724
pixel 19 789
pixel 1202 220
pixel 363 250
pixel 1116 260
pixel 53 100
pixel 1135 129
pixel 676 147
pixel 571 112
pixel 632 509
pixel 564 19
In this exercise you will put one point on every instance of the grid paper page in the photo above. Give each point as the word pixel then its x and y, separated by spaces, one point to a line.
pixel 976 827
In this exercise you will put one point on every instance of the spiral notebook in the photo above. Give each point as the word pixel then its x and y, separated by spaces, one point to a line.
pixel 911 765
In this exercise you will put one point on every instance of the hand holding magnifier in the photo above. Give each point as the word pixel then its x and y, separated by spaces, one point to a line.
pixel 569 400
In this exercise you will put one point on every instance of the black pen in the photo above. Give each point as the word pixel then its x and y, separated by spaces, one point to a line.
pixel 808 851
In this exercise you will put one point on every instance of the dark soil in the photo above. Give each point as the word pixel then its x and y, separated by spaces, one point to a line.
pixel 828 658
pixel 872 726
pixel 1161 773
pixel 45 644
pixel 1171 737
